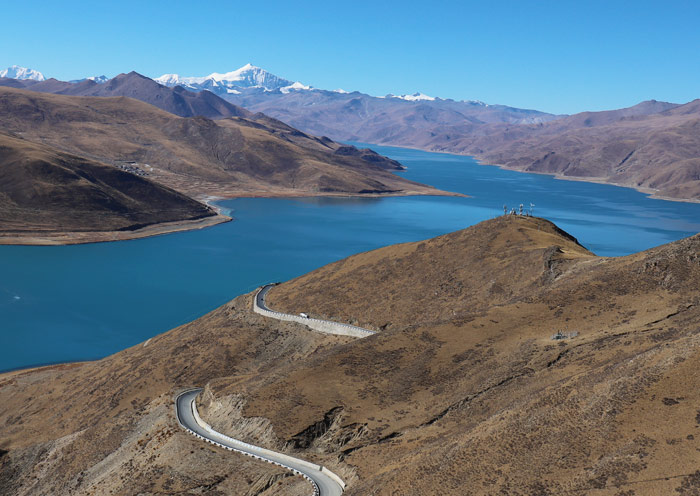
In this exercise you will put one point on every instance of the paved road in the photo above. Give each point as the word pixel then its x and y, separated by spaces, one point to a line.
pixel 260 297
pixel 187 416
pixel 325 326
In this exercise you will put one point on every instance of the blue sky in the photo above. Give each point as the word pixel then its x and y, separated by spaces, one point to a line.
pixel 558 56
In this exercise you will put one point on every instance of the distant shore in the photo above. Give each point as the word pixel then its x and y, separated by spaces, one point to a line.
pixel 650 192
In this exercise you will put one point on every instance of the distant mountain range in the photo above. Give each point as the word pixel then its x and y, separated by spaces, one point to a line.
pixel 177 100
pixel 648 146
pixel 260 90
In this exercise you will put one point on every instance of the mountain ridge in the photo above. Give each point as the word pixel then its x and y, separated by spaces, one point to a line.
pixel 177 100
pixel 651 146
pixel 238 156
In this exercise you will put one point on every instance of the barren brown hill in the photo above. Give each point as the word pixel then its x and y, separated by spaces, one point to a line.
pixel 463 391
pixel 45 193
pixel 658 153
pixel 653 147
pixel 198 156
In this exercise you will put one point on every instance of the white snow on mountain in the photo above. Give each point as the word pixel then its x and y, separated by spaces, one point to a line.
pixel 247 77
pixel 341 91
pixel 97 79
pixel 17 72
pixel 170 80
pixel 414 97
pixel 295 86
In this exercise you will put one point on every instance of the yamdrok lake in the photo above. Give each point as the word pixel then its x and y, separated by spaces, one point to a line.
pixel 82 302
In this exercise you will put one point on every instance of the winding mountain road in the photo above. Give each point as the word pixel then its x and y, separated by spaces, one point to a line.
pixel 325 482
pixel 324 326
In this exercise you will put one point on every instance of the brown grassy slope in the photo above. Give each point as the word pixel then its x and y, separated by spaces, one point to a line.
pixel 43 190
pixel 434 280
pixel 466 393
pixel 109 425
pixel 236 157
pixel 463 392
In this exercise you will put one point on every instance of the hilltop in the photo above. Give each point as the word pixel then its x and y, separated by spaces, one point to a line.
pixel 463 389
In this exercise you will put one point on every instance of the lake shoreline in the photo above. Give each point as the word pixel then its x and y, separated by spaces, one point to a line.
pixel 87 301
pixel 650 192
pixel 61 238
pixel 78 238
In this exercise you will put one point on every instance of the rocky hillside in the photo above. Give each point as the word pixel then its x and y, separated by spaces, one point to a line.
pixel 464 387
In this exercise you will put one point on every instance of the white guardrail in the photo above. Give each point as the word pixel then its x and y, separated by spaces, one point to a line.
pixel 263 451
pixel 325 326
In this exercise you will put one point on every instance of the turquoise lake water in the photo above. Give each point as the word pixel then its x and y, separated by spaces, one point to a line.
pixel 84 302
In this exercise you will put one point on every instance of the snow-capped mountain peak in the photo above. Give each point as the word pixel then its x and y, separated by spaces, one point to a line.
pixel 294 87
pixel 239 74
pixel 17 72
pixel 168 79
pixel 97 79
pixel 415 97
pixel 248 77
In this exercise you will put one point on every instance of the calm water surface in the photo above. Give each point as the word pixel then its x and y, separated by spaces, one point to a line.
pixel 87 301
